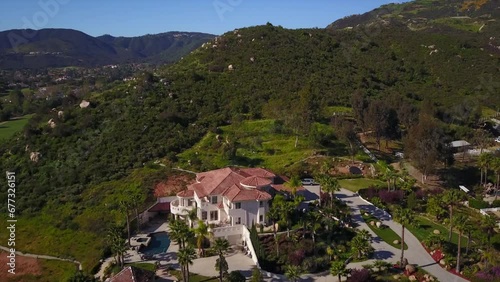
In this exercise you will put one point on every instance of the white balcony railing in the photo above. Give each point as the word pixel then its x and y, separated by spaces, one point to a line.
pixel 175 208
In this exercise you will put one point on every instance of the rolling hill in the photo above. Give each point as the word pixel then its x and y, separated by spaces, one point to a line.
pixel 66 47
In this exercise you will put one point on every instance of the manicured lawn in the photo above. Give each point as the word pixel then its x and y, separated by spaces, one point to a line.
pixel 386 234
pixel 424 227
pixel 356 184
pixel 9 128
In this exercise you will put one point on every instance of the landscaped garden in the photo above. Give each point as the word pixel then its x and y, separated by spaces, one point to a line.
pixel 385 233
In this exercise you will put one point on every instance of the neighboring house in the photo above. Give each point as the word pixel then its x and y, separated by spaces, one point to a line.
pixel 229 196
pixel 460 145
pixel 133 274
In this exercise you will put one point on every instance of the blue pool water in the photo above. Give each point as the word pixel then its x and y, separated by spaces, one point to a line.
pixel 159 244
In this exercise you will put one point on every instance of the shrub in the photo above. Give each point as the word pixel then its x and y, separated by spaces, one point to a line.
pixel 296 257
pixel 360 275
pixel 478 204
pixel 310 265
pixel 391 197
pixel 235 276
pixel 495 204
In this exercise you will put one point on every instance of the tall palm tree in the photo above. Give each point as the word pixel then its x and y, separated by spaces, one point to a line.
pixel 495 165
pixel 124 208
pixel 293 272
pixel 329 184
pixel 488 225
pixel 185 256
pixel 460 223
pixel 221 246
pixel 313 223
pixel 360 245
pixel 136 198
pixel 405 217
pixel 201 234
pixel 273 215
pixel 484 163
pixel 451 198
pixel 469 229
pixel 117 243
pixel 179 232
pixel 338 268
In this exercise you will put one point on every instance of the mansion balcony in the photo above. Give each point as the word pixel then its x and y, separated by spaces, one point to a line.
pixel 178 209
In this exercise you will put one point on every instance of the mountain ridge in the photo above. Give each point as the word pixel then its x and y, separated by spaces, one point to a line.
pixel 57 47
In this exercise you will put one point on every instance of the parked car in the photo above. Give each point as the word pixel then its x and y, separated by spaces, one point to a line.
pixel 497 139
pixel 309 181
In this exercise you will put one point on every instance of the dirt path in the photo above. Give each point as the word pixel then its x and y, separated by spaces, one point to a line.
pixel 43 257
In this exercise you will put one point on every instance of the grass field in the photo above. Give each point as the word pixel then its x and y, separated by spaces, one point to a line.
pixel 357 184
pixel 9 128
pixel 194 277
pixel 259 144
pixel 386 234
pixel 424 227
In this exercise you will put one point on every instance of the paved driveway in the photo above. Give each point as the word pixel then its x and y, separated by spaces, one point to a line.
pixel 416 254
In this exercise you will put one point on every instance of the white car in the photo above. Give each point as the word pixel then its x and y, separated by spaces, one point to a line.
pixel 308 181
pixel 497 139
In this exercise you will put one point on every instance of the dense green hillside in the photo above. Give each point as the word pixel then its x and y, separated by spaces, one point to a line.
pixel 66 47
pixel 258 72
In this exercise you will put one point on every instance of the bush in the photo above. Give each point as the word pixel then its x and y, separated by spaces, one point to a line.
pixel 360 275
pixel 310 265
pixel 495 204
pixel 235 276
pixel 296 257
pixel 478 204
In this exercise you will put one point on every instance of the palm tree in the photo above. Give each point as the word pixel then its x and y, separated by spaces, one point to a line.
pixel 293 272
pixel 273 215
pixel 484 163
pixel 468 229
pixel 360 245
pixel 192 216
pixel 329 184
pixel 380 264
pixel 185 256
pixel 293 184
pixel 117 243
pixel 404 217
pixel 256 275
pixel 201 234
pixel 179 232
pixel 221 246
pixel 451 198
pixel 313 223
pixel 460 223
pixel 495 165
pixel 339 269
pixel 124 208
pixel 136 198
pixel 488 225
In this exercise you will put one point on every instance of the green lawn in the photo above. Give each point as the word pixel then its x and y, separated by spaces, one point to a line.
pixel 9 128
pixel 424 227
pixel 357 184
pixel 386 234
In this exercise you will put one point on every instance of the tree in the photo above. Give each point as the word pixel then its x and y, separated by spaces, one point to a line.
pixel 359 104
pixel 185 256
pixel 313 223
pixel 451 198
pixel 79 276
pixel 460 223
pixel 423 144
pixel 235 276
pixel 293 272
pixel 201 234
pixel 360 245
pixel 380 265
pixel 338 268
pixel 136 198
pixel 117 244
pixel 124 208
pixel 221 246
pixel 404 217
pixel 329 184
pixel 274 216
pixel 435 207
pixel 376 119
pixel 484 162
pixel 468 229
pixel 345 132
pixel 293 184
pixel 256 275
pixel 179 232
pixel 488 225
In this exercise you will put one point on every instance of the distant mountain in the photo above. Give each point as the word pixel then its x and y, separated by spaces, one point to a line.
pixel 67 47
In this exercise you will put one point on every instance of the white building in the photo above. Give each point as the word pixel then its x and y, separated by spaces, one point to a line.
pixel 229 196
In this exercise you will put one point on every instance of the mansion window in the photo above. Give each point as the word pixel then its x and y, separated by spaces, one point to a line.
pixel 214 215
pixel 214 200
pixel 203 215
pixel 238 220
pixel 261 204
pixel 237 206
pixel 261 218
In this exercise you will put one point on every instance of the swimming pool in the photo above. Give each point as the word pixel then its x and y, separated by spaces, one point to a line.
pixel 159 244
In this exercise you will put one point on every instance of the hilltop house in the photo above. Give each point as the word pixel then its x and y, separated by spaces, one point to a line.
pixel 229 196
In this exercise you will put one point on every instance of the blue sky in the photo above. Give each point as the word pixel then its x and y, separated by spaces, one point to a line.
pixel 136 17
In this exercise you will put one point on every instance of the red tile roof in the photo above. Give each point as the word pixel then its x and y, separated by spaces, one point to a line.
pixel 255 181
pixel 227 182
pixel 186 194
pixel 160 207
pixel 133 274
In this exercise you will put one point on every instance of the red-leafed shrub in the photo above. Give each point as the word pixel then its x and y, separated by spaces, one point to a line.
pixel 296 257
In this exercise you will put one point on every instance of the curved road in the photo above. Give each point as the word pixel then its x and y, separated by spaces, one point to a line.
pixel 416 254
